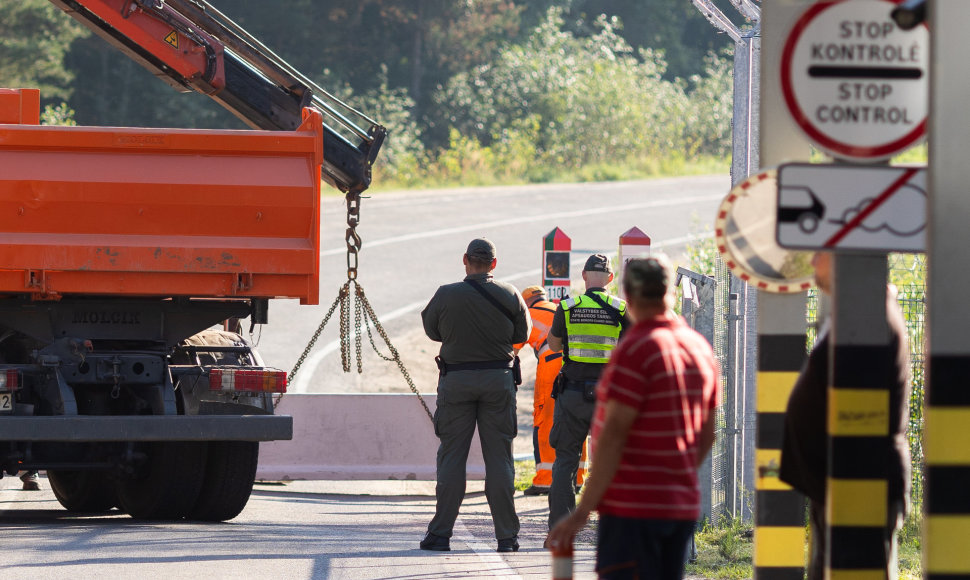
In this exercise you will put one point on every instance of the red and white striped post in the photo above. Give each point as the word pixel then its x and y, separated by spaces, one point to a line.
pixel 562 562
pixel 633 244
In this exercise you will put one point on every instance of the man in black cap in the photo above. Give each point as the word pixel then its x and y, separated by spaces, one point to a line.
pixel 654 426
pixel 477 321
pixel 586 329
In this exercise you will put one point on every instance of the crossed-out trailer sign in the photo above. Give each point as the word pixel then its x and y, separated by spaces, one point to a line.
pixel 854 82
pixel 851 207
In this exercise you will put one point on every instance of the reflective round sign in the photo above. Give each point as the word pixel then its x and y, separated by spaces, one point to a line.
pixel 744 232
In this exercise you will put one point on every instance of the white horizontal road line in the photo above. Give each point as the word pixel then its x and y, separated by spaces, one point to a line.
pixel 309 367
pixel 530 219
pixel 496 565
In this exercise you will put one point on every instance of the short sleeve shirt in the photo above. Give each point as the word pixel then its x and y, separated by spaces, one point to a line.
pixel 666 371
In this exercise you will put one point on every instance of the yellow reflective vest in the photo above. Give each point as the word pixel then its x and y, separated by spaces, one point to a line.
pixel 591 332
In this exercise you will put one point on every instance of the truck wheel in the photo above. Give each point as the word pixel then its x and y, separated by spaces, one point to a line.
pixel 167 486
pixel 83 491
pixel 229 475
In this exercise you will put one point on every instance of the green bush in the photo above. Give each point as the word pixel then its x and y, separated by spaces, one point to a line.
pixel 558 107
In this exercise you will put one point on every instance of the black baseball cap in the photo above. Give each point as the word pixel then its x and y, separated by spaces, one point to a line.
pixel 481 249
pixel 598 263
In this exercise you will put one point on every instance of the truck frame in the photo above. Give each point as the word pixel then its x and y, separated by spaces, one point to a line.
pixel 130 256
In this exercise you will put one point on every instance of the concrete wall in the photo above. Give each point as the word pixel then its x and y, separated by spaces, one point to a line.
pixel 357 437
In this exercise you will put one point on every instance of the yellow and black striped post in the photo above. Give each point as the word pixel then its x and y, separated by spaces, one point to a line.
pixel 946 528
pixel 857 488
pixel 946 435
pixel 779 534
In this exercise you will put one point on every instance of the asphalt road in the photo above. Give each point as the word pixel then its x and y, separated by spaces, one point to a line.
pixel 297 531
pixel 413 242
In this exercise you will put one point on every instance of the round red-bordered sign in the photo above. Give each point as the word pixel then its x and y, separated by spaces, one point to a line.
pixel 855 83
pixel 744 232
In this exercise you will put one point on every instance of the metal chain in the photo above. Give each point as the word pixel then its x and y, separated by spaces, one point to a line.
pixel 352 239
pixel 345 291
pixel 357 334
pixel 363 313
pixel 397 357
pixel 345 332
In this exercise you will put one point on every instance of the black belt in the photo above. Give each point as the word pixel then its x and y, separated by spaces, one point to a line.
pixel 475 366
pixel 553 356
pixel 574 385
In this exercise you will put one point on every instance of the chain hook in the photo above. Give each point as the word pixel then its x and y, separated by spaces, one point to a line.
pixel 352 238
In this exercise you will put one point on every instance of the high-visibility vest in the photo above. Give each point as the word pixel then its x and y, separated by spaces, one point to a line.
pixel 591 334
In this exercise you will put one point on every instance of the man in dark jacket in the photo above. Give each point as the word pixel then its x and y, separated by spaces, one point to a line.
pixel 804 454
pixel 477 321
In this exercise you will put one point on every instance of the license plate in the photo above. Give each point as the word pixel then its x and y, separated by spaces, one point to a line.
pixel 6 402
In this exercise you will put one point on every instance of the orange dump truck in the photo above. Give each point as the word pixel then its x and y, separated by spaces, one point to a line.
pixel 119 249
pixel 129 258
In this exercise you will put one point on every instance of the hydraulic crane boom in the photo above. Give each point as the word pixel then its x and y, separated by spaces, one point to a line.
pixel 194 47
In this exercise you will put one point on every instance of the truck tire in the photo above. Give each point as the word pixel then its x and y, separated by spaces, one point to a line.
pixel 168 485
pixel 230 472
pixel 83 491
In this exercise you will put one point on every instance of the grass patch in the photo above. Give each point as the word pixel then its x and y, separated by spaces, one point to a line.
pixel 524 472
pixel 723 551
pixel 910 548
pixel 486 174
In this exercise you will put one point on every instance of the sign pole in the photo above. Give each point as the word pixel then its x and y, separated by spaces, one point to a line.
pixel 857 481
pixel 779 533
pixel 856 85
pixel 947 509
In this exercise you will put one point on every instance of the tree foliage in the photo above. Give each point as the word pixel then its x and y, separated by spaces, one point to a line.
pixel 470 90
pixel 590 99
pixel 673 27
pixel 33 39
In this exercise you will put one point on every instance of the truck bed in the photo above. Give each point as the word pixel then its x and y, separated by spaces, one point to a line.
pixel 160 212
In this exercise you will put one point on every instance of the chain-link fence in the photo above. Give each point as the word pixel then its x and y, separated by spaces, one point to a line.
pixel 716 306
pixel 908 273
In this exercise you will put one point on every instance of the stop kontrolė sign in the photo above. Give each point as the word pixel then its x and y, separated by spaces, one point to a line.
pixel 856 83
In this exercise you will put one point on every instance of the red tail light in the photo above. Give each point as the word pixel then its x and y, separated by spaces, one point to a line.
pixel 267 381
pixel 10 380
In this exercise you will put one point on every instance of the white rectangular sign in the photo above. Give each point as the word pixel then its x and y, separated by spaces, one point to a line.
pixel 851 207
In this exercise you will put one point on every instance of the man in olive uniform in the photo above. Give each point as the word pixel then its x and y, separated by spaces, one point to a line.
pixel 586 329
pixel 477 321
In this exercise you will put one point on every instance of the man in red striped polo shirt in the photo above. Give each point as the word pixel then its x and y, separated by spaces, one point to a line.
pixel 654 425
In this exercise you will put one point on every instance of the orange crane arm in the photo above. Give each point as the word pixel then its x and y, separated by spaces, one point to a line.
pixel 192 46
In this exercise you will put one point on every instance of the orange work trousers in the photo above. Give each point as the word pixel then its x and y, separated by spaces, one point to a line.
pixel 543 406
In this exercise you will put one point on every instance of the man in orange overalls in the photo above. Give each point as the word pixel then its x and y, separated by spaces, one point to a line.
pixel 548 367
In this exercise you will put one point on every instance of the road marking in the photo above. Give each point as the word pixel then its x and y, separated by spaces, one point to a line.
pixel 531 219
pixel 487 554
pixel 312 362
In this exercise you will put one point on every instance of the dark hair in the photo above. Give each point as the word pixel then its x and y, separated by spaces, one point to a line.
pixel 648 278
pixel 478 262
